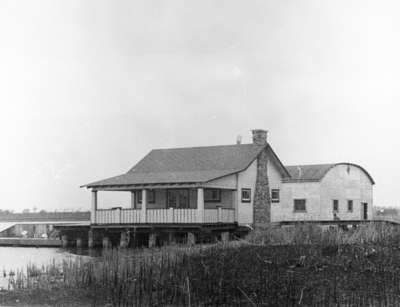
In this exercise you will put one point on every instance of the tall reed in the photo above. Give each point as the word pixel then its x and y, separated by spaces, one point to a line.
pixel 303 265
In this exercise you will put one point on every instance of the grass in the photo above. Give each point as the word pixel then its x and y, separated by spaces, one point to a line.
pixel 301 266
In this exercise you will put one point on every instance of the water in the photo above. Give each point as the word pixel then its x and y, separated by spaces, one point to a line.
pixel 17 258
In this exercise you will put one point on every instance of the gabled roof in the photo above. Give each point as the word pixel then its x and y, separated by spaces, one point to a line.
pixel 315 172
pixel 190 165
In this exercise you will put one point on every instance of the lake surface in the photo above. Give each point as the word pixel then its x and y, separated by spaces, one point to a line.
pixel 17 258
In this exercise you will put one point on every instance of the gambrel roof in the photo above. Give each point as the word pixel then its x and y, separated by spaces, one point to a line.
pixel 191 165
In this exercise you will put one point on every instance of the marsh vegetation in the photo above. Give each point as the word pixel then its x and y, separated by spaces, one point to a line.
pixel 300 266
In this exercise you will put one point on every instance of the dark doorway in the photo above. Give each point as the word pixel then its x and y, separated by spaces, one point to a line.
pixel 365 211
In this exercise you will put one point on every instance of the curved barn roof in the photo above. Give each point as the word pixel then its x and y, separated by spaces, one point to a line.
pixel 315 172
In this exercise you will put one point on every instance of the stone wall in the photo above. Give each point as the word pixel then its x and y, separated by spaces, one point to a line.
pixel 262 201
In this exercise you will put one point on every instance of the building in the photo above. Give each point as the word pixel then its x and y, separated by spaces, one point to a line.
pixel 324 192
pixel 217 189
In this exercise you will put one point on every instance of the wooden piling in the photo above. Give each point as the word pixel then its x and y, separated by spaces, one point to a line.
pixel 152 240
pixel 90 239
pixel 79 243
pixel 64 241
pixel 171 238
pixel 225 237
pixel 191 238
pixel 106 242
pixel 124 240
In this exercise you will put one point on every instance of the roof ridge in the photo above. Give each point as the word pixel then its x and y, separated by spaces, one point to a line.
pixel 208 146
pixel 315 164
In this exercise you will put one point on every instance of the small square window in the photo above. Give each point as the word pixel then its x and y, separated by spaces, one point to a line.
pixel 212 195
pixel 350 205
pixel 275 195
pixel 299 205
pixel 246 195
pixel 335 205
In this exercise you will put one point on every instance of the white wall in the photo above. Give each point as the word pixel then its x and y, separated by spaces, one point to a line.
pixel 247 179
pixel 227 182
pixel 275 182
pixel 284 211
pixel 343 183
pixel 338 184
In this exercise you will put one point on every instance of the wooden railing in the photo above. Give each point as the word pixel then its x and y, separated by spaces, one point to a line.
pixel 163 216
pixel 219 215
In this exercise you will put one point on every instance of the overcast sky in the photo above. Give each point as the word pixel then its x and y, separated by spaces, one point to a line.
pixel 87 88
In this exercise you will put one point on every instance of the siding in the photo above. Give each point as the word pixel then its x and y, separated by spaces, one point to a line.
pixel 227 182
pixel 338 184
pixel 290 191
pixel 275 182
pixel 247 179
pixel 343 185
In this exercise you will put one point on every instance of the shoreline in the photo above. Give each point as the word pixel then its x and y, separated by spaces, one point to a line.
pixel 29 242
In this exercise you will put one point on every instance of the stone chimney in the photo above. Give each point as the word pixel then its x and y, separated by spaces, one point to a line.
pixel 259 136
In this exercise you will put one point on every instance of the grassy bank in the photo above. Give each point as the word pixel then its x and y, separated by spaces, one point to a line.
pixel 304 266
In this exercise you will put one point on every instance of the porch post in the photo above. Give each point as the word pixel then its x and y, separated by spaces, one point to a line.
pixel 94 207
pixel 144 206
pixel 133 200
pixel 200 205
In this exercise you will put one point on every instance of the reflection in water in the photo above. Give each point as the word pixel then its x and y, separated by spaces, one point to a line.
pixel 17 258
pixel 92 252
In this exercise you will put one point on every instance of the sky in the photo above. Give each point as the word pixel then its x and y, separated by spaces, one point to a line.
pixel 87 88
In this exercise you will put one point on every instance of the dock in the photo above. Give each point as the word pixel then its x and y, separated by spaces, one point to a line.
pixel 30 242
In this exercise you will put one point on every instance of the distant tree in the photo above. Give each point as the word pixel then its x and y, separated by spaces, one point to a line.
pixel 26 211
pixel 34 209
pixel 42 211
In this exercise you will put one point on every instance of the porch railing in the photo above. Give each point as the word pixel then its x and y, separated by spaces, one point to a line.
pixel 219 215
pixel 163 216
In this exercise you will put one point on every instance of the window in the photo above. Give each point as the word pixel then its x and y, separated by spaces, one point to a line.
pixel 299 205
pixel 335 205
pixel 212 195
pixel 246 195
pixel 178 198
pixel 275 195
pixel 151 196
pixel 350 205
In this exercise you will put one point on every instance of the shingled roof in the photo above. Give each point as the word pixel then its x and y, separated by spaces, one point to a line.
pixel 315 172
pixel 189 165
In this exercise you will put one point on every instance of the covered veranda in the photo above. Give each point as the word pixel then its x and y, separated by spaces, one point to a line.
pixel 171 204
